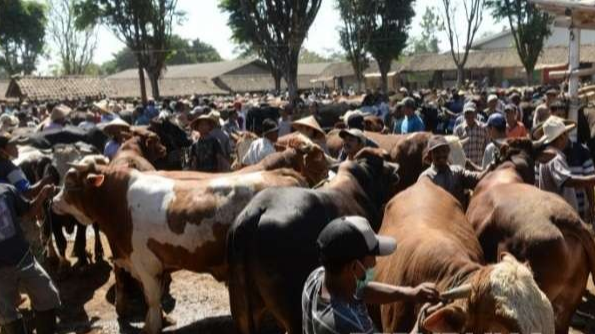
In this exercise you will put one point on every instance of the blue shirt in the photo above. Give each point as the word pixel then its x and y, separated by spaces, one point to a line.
pixel 13 246
pixel 111 148
pixel 412 124
pixel 13 175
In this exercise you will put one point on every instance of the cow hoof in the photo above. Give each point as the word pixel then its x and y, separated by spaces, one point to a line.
pixel 168 321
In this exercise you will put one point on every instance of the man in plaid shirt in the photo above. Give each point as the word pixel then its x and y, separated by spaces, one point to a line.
pixel 476 134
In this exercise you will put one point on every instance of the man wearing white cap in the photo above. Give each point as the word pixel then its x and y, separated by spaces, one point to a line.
pixel 555 176
pixel 492 105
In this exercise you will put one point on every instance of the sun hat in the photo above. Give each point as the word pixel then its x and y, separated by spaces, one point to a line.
pixel 553 128
pixel 103 106
pixel 210 118
pixel 351 238
pixel 357 133
pixel 114 125
pixel 492 97
pixel 59 112
pixel 309 122
pixel 269 125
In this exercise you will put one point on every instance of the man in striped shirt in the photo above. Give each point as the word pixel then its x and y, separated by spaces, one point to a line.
pixel 475 132
pixel 335 295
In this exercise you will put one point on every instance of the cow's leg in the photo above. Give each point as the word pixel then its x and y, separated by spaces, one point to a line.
pixel 247 306
pixel 122 301
pixel 152 290
pixel 59 238
pixel 98 245
pixel 80 243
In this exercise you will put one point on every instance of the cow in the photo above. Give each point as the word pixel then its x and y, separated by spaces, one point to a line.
pixel 141 151
pixel 509 214
pixel 435 243
pixel 67 135
pixel 272 244
pixel 175 140
pixel 156 224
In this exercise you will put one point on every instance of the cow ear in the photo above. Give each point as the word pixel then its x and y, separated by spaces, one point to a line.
pixel 95 180
pixel 450 319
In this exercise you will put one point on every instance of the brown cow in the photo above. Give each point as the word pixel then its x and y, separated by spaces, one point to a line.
pixel 156 224
pixel 140 151
pixel 437 244
pixel 535 226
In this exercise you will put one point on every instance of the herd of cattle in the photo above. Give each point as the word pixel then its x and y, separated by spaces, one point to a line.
pixel 518 258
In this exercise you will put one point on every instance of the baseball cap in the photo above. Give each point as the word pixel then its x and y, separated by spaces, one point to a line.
pixel 492 97
pixel 350 238
pixel 469 107
pixel 497 121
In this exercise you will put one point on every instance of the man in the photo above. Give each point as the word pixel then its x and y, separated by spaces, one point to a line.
pixel 206 154
pixel 12 174
pixel 353 141
pixel 412 122
pixel 58 117
pixel 262 147
pixel 335 295
pixel 220 135
pixel 514 128
pixel 475 133
pixel 18 267
pixel 454 179
pixel 542 112
pixel 497 132
pixel 285 120
pixel 492 105
pixel 89 122
pixel 309 127
pixel 231 124
pixel 118 131
pixel 555 176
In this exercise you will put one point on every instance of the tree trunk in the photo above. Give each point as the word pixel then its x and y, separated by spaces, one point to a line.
pixel 143 89
pixel 460 75
pixel 384 81
pixel 529 76
pixel 277 77
pixel 154 79
pixel 291 76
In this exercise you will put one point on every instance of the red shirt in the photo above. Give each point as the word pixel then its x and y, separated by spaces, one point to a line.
pixel 519 131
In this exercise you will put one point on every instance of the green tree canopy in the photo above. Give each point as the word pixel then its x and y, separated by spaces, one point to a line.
pixel 431 25
pixel 22 33
pixel 191 51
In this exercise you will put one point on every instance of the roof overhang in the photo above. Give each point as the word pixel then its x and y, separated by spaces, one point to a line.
pixel 378 75
pixel 580 13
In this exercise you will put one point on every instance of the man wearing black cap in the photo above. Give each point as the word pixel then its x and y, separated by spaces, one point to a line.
pixel 454 179
pixel 412 122
pixel 335 295
pixel 262 147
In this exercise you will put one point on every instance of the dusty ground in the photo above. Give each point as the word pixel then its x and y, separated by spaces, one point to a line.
pixel 200 304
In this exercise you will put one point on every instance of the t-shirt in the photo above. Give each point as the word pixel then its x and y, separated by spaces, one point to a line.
pixel 259 149
pixel 519 131
pixel 553 175
pixel 490 152
pixel 203 154
pixel 111 148
pixel 13 246
pixel 455 180
pixel 11 174
pixel 323 316
pixel 412 124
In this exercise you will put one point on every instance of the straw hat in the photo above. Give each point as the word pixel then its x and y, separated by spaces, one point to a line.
pixel 552 128
pixel 309 122
pixel 8 122
pixel 206 117
pixel 114 125
pixel 103 106
pixel 59 112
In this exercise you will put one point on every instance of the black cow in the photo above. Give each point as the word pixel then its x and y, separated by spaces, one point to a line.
pixel 67 135
pixel 272 244
pixel 257 115
pixel 175 140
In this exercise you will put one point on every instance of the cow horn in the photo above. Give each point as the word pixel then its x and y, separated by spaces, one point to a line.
pixel 79 167
pixel 460 292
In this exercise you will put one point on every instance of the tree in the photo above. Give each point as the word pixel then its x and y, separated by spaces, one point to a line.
pixel 355 31
pixel 431 24
pixel 123 60
pixel 309 57
pixel 75 46
pixel 22 32
pixel 191 52
pixel 389 35
pixel 276 30
pixel 145 26
pixel 529 27
pixel 473 10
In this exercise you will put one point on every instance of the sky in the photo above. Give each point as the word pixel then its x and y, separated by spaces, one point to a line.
pixel 205 21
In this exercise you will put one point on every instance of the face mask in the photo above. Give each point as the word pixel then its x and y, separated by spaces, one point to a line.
pixel 360 284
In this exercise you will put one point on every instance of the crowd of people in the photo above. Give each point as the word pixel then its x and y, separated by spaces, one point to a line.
pixel 483 120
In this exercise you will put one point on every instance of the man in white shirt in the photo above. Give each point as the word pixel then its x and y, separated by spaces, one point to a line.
pixel 262 147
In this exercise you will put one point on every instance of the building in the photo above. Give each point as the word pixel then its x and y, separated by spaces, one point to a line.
pixel 558 38
pixel 67 88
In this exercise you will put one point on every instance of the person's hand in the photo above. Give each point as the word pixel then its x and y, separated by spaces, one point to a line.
pixel 47 191
pixel 425 292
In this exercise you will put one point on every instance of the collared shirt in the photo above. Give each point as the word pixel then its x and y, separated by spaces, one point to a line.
pixel 203 154
pixel 455 180
pixel 13 246
pixel 478 139
pixel 259 149
pixel 87 125
pixel 553 175
pixel 412 124
pixel 53 126
pixel 323 316
pixel 490 152
pixel 224 141
pixel 519 131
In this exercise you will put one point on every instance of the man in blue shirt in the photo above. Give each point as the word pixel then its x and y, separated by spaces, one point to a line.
pixel 412 122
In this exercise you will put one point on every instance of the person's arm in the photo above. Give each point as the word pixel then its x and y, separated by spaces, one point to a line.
pixel 580 181
pixel 34 207
pixel 380 293
pixel 37 187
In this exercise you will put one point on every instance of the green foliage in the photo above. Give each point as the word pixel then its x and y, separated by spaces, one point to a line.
pixel 390 32
pixel 309 57
pixel 529 26
pixel 191 52
pixel 431 25
pixel 22 32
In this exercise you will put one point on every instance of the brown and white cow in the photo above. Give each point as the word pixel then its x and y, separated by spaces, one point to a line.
pixel 140 151
pixel 538 227
pixel 436 244
pixel 156 224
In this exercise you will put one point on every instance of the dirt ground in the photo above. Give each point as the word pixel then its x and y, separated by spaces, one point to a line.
pixel 199 305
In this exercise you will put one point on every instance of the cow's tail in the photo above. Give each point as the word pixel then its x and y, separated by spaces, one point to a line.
pixel 238 257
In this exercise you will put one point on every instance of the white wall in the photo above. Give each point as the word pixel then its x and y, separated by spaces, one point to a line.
pixel 559 37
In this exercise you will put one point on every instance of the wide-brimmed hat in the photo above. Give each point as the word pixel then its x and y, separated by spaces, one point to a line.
pixel 309 122
pixel 351 113
pixel 269 125
pixel 60 112
pixel 492 97
pixel 357 133
pixel 552 91
pixel 210 118
pixel 114 125
pixel 103 106
pixel 8 122
pixel 434 142
pixel 552 128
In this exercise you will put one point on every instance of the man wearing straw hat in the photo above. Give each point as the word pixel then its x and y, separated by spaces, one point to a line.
pixel 555 175
pixel 310 128
pixel 262 147
pixel 206 154
pixel 118 131
pixel 58 117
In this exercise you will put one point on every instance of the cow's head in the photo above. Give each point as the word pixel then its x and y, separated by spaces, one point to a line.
pixel 81 178
pixel 150 143
pixel 242 143
pixel 310 160
pixel 377 177
pixel 501 298
pixel 521 154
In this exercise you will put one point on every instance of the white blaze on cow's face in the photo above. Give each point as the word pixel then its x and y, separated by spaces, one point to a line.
pixel 69 199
